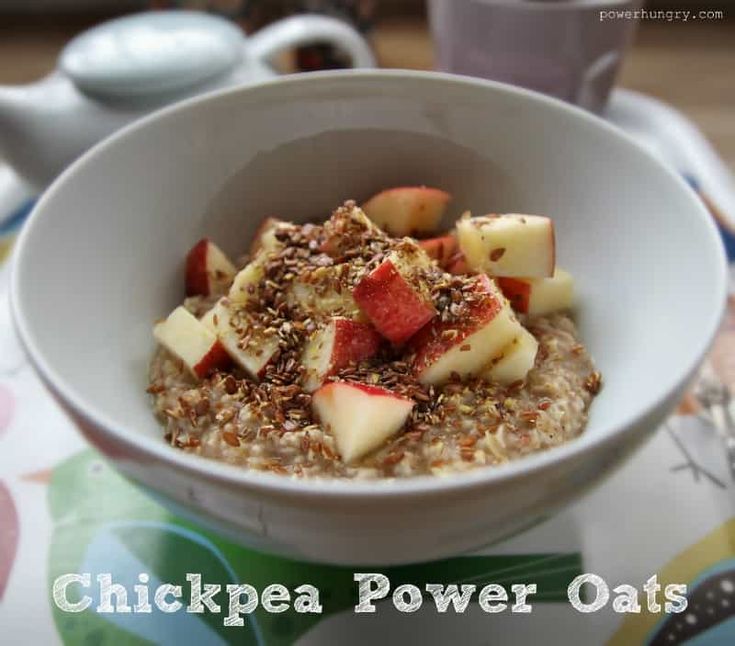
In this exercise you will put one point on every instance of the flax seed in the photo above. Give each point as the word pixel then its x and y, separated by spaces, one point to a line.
pixel 529 416
pixel 230 438
pixel 593 383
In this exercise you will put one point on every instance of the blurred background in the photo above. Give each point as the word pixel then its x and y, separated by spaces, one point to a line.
pixel 687 64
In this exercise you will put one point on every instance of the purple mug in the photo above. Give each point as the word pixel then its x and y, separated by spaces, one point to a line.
pixel 570 49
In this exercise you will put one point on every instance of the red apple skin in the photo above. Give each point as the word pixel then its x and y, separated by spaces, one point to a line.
pixel 517 291
pixel 407 210
pixel 441 249
pixel 458 265
pixel 393 306
pixel 429 344
pixel 429 193
pixel 216 359
pixel 376 391
pixel 353 342
pixel 196 280
pixel 427 200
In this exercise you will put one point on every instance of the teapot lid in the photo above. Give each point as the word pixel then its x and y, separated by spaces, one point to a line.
pixel 150 53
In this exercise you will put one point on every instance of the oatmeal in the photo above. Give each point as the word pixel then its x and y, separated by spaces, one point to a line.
pixel 338 350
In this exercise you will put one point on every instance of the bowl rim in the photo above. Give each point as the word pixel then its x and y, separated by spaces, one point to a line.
pixel 340 488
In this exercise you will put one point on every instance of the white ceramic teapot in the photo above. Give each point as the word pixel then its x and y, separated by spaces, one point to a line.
pixel 124 68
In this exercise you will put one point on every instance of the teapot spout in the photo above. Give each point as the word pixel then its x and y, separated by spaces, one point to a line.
pixel 21 134
pixel 13 102
pixel 45 125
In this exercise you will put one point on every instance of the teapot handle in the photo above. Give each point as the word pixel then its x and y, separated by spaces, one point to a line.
pixel 307 30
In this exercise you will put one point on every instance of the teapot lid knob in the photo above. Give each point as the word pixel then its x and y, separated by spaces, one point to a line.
pixel 151 53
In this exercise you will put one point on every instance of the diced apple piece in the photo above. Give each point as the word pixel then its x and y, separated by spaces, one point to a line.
pixel 458 265
pixel 508 245
pixel 394 297
pixel 230 328
pixel 316 295
pixel 208 269
pixel 467 346
pixel 441 249
pixel 208 319
pixel 265 235
pixel 516 359
pixel 518 291
pixel 336 345
pixel 196 346
pixel 346 226
pixel 536 296
pixel 407 210
pixel 360 417
pixel 245 285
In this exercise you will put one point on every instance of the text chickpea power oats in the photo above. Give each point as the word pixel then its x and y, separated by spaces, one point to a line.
pixel 74 593
pixel 375 344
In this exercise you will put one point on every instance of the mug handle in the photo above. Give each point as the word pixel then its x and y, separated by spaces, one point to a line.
pixel 307 30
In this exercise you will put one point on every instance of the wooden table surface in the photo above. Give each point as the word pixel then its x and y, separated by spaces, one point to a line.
pixel 691 66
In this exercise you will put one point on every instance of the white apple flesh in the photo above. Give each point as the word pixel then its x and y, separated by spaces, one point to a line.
pixel 245 285
pixel 325 299
pixel 515 360
pixel 265 236
pixel 508 245
pixel 230 330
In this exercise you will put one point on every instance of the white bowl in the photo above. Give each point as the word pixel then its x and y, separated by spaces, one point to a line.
pixel 101 258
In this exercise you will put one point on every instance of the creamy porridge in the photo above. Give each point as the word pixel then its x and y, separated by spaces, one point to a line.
pixel 349 349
